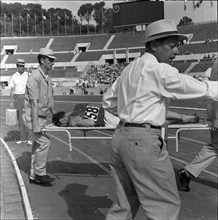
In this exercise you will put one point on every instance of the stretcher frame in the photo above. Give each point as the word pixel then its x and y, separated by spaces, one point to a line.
pixel 164 131
pixel 203 125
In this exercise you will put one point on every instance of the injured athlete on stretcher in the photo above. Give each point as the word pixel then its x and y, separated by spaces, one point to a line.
pixel 89 115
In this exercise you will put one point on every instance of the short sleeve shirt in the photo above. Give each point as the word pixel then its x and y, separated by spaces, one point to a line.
pixel 39 87
pixel 18 82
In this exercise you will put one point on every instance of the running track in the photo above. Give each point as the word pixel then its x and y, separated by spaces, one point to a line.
pixel 83 188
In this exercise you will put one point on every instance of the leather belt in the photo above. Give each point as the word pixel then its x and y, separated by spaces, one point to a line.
pixel 142 125
pixel 42 116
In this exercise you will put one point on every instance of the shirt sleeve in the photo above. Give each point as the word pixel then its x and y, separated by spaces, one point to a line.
pixel 109 100
pixel 214 71
pixel 212 107
pixel 11 82
pixel 181 86
pixel 33 87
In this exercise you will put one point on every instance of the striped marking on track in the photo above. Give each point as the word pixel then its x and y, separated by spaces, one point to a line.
pixel 108 171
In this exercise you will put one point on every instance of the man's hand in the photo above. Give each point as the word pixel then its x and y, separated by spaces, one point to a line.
pixel 36 128
pixel 11 104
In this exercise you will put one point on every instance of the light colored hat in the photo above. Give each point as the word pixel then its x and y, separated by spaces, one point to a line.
pixel 20 62
pixel 48 53
pixel 162 28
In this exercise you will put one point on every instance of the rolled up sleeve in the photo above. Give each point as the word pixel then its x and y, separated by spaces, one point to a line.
pixel 181 86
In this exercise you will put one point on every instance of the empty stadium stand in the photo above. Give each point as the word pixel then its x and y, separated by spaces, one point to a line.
pixel 68 43
pixel 198 48
pixel 202 66
pixel 81 50
pixel 127 40
pixel 200 32
pixel 26 44
pixel 182 66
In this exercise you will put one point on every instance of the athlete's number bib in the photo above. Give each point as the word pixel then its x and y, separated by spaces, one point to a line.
pixel 91 112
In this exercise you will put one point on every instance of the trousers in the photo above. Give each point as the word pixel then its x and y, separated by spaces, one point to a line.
pixel 19 105
pixel 205 157
pixel 40 148
pixel 39 156
pixel 143 175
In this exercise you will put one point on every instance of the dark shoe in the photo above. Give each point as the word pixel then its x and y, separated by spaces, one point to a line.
pixel 32 181
pixel 184 180
pixel 45 179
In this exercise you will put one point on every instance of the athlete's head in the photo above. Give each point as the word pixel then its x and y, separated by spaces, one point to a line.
pixel 60 119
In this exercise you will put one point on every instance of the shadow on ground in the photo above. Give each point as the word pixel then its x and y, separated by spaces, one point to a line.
pixel 12 135
pixel 82 206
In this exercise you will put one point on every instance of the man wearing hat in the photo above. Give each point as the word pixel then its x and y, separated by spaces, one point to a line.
pixel 17 83
pixel 140 162
pixel 38 103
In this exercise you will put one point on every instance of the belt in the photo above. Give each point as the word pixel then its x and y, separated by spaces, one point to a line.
pixel 41 116
pixel 142 125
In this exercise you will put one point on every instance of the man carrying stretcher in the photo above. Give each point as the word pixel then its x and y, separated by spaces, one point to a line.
pixel 90 115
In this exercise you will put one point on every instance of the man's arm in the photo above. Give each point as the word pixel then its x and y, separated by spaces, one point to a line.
pixel 11 85
pixel 109 100
pixel 214 104
pixel 51 98
pixel 12 97
pixel 35 115
pixel 52 107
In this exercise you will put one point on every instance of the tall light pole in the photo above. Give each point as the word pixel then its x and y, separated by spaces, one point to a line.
pixel 72 20
pixel 19 14
pixel 5 24
pixel 50 24
pixel 20 19
pixel 27 23
pixel 57 24
pixel 12 24
pixel 35 22
pixel 43 31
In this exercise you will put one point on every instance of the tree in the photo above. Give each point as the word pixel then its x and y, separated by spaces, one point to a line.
pixel 85 13
pixel 185 21
pixel 98 13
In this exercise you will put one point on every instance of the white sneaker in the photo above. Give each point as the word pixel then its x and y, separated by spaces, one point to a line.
pixel 21 142
pixel 29 143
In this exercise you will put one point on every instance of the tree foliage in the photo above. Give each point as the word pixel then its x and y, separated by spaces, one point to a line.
pixel 31 19
pixel 185 21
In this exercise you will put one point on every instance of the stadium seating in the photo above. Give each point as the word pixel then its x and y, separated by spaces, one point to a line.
pixel 182 66
pixel 202 66
pixel 200 32
pixel 26 44
pixel 68 43
pixel 198 48
pixel 127 40
pixel 203 42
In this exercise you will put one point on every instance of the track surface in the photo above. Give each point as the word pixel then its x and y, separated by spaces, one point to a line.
pixel 83 188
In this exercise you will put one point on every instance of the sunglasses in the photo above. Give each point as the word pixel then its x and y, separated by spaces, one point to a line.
pixel 50 59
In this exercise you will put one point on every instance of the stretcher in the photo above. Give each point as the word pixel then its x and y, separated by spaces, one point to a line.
pixel 202 125
pixel 85 130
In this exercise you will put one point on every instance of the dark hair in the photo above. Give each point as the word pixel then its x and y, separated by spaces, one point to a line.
pixel 39 57
pixel 56 118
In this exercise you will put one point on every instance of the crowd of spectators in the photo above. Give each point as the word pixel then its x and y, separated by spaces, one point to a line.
pixel 105 74
pixel 99 74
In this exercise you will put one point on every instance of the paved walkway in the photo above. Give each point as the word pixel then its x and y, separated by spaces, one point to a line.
pixel 11 200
